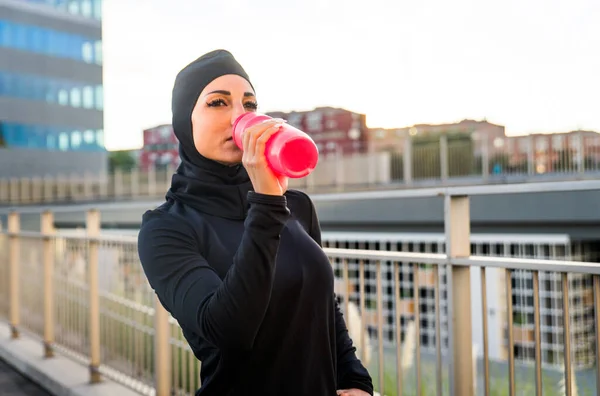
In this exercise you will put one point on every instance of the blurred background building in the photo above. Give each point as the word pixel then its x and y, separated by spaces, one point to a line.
pixel 51 93
pixel 334 130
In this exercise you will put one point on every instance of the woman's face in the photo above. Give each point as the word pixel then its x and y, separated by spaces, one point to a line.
pixel 218 106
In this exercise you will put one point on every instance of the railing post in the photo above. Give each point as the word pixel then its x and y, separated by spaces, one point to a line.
pixel 25 190
pixel 162 355
pixel 103 181
pixel 36 189
pixel 531 156
pixel 4 191
pixel 485 157
pixel 373 166
pixel 48 194
pixel 407 160
pixel 170 169
pixel 88 180
pixel 14 190
pixel 134 174
pixel 93 232
pixel 14 227
pixel 151 173
pixel 47 228
pixel 310 181
pixel 581 152
pixel 73 186
pixel 339 169
pixel 457 224
pixel 118 183
pixel 61 187
pixel 444 173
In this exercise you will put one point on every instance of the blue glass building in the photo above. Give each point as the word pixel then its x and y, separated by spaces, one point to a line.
pixel 51 94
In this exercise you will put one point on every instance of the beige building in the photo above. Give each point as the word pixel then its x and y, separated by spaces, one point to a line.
pixel 482 132
pixel 555 152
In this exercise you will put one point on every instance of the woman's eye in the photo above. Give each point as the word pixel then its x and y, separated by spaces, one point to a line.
pixel 251 105
pixel 216 103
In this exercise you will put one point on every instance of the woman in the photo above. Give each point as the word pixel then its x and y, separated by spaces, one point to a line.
pixel 236 258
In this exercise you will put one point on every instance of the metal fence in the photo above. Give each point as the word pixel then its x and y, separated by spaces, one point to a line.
pixel 84 294
pixel 445 161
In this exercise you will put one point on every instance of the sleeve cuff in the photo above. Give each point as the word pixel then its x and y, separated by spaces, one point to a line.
pixel 278 200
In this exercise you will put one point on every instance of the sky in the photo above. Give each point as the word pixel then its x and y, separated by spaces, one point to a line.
pixel 532 66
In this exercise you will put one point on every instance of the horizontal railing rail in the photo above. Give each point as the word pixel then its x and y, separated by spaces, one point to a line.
pixel 457 191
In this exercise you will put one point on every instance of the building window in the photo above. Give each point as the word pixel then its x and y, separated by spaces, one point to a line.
pixel 63 97
pixel 99 102
pixel 86 8
pixel 88 137
pixel 557 142
pixel 75 140
pixel 75 97
pixel 46 137
pixel 59 4
pixel 88 97
pixel 63 92
pixel 97 9
pixel 51 141
pixel 73 7
pixel 51 92
pixel 63 141
pixel 49 42
pixel 87 52
pixel 98 52
pixel 100 138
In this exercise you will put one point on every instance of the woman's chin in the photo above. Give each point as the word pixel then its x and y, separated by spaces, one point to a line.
pixel 231 157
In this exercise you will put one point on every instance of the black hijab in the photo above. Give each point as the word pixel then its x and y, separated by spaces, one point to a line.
pixel 199 182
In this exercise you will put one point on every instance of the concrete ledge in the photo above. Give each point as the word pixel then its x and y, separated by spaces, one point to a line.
pixel 60 376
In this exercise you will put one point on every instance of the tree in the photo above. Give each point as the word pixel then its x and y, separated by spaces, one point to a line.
pixel 121 160
pixel 426 156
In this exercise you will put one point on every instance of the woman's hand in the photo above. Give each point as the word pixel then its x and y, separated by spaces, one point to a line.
pixel 254 140
pixel 352 392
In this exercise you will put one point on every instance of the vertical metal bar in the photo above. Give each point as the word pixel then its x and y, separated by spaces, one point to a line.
pixel 47 228
pixel 438 333
pixel 444 157
pixel 398 321
pixel 417 326
pixel 485 156
pixel 511 335
pixel 380 328
pixel 176 351
pixel 361 287
pixel 162 350
pixel 93 231
pixel 191 367
pixel 484 316
pixel 538 333
pixel 346 292
pixel 14 227
pixel 458 241
pixel 151 173
pixel 597 327
pixel 407 160
pixel 567 334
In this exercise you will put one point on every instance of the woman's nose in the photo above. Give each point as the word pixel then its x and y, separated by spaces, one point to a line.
pixel 238 110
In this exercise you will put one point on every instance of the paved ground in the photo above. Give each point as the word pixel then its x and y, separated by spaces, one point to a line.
pixel 13 383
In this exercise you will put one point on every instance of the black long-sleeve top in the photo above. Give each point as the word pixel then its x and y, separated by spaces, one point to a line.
pixel 253 296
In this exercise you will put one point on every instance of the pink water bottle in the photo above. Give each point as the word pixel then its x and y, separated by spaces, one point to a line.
pixel 289 151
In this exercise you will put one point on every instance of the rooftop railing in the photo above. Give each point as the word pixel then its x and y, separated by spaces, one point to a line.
pixel 359 167
pixel 83 294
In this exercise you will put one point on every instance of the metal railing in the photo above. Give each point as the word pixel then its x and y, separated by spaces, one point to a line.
pixel 84 294
pixel 443 162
